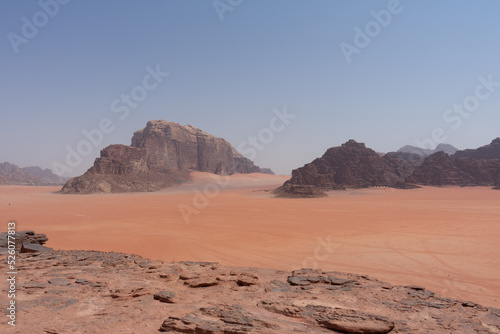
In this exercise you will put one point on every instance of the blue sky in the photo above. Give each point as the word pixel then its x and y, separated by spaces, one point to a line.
pixel 227 76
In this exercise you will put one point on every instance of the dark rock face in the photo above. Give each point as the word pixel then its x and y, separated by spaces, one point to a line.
pixel 161 154
pixel 440 169
pixel 32 176
pixel 491 151
pixel 352 165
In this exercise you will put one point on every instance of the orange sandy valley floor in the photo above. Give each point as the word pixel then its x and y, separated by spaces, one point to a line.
pixel 446 239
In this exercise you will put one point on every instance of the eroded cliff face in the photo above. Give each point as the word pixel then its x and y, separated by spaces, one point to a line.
pixel 162 154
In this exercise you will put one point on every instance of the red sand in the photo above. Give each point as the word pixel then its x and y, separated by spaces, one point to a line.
pixel 446 239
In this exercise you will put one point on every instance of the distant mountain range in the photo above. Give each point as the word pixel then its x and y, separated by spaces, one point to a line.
pixel 11 174
pixel 446 148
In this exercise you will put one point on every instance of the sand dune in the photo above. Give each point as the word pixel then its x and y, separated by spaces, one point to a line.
pixel 443 238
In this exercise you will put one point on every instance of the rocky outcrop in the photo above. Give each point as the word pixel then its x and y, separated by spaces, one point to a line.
pixel 97 292
pixel 289 190
pixel 161 155
pixel 491 151
pixel 32 176
pixel 23 242
pixel 352 165
pixel 440 169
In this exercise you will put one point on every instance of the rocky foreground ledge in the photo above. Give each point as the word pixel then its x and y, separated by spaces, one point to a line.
pixel 97 292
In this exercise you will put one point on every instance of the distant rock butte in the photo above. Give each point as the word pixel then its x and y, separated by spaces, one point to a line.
pixel 97 292
pixel 11 174
pixel 352 165
pixel 161 155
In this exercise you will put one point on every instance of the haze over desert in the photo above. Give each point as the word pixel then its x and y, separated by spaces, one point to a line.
pixel 445 239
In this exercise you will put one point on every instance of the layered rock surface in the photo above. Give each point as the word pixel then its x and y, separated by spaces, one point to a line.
pixel 96 292
pixel 162 154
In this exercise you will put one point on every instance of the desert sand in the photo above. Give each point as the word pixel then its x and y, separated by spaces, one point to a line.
pixel 446 239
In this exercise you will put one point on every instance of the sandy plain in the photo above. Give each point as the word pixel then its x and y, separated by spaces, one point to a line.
pixel 446 239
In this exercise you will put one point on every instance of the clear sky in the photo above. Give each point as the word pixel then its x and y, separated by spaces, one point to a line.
pixel 63 70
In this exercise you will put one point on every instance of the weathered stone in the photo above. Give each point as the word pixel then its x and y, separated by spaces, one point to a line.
pixel 202 282
pixel 165 296
pixel 340 281
pixel 59 281
pixel 298 280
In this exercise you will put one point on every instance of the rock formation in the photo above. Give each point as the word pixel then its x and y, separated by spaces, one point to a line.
pixel 32 176
pixel 491 151
pixel 23 242
pixel 97 292
pixel 290 190
pixel 351 165
pixel 162 154
pixel 440 169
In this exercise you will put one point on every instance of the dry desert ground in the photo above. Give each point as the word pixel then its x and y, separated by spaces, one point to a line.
pixel 446 239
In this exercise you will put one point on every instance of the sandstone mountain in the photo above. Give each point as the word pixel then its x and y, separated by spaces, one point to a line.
pixel 97 292
pixel 162 154
pixel 352 165
pixel 33 176
pixel 491 151
pixel 440 169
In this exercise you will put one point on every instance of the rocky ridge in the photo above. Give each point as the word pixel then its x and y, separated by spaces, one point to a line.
pixel 352 165
pixel 440 170
pixel 161 155
pixel 97 292
pixel 487 152
pixel 11 174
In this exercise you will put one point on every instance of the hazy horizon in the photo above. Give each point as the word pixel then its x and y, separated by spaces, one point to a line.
pixel 385 73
